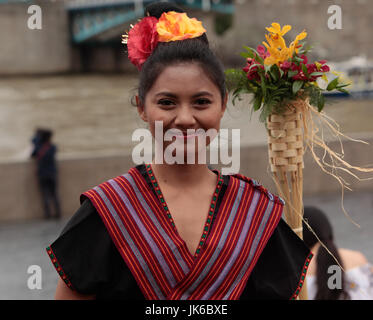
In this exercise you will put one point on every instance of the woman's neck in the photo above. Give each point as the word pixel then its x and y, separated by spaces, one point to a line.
pixel 182 174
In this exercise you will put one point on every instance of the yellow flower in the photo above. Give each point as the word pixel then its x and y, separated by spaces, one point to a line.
pixel 318 65
pixel 276 46
pixel 299 37
pixel 275 41
pixel 174 26
pixel 278 52
pixel 276 29
pixel 277 33
pixel 277 55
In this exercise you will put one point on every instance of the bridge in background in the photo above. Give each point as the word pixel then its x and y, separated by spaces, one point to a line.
pixel 92 20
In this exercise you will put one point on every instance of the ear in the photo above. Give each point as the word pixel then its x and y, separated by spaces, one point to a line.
pixel 141 109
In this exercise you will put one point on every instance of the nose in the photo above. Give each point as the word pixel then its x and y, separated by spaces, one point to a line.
pixel 185 117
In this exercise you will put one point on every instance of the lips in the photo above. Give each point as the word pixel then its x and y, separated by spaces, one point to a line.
pixel 182 134
pixel 185 136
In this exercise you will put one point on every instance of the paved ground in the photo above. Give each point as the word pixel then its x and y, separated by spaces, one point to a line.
pixel 22 244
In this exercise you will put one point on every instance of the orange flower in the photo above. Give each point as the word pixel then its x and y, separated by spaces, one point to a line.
pixel 294 45
pixel 276 46
pixel 276 29
pixel 173 26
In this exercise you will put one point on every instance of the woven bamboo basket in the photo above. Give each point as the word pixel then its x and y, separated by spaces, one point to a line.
pixel 286 149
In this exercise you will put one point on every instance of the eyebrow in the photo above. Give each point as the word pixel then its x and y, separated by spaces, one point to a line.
pixel 171 95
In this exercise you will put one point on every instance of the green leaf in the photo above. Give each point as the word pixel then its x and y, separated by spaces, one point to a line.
pixel 343 90
pixel 304 48
pixel 332 85
pixel 316 74
pixel 297 85
pixel 257 102
pixel 275 72
pixel 257 56
pixel 267 68
pixel 249 52
pixel 281 72
pixel 235 78
pixel 263 86
pixel 249 49
pixel 296 58
pixel 342 85
pixel 245 55
pixel 292 73
pixel 254 65
pixel 304 69
pixel 320 102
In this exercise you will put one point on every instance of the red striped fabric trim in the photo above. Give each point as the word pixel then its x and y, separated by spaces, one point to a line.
pixel 270 228
pixel 138 237
pixel 129 258
pixel 232 238
pixel 158 258
pixel 165 249
pixel 134 266
pixel 212 241
pixel 154 206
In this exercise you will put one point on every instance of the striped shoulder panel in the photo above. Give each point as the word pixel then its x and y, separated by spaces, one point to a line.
pixel 258 186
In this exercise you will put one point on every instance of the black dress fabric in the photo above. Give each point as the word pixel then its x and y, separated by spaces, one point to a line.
pixel 89 259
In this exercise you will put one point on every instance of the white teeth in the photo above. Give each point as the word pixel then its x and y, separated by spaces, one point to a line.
pixel 180 132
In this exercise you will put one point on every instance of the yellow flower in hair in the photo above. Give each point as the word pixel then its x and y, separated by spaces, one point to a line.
pixel 174 26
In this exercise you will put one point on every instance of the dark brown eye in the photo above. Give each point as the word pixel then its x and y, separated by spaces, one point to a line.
pixel 165 102
pixel 203 101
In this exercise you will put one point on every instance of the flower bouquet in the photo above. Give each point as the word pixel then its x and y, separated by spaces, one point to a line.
pixel 286 91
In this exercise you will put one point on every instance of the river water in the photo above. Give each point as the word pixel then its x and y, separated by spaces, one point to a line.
pixel 92 115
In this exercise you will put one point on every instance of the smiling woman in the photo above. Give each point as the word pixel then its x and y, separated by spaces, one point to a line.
pixel 178 231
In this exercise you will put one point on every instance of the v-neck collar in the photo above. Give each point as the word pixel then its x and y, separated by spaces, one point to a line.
pixel 168 214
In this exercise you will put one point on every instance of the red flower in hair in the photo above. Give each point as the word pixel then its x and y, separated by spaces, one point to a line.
pixel 142 39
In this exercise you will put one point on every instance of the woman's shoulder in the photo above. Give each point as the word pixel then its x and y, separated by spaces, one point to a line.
pixel 255 184
pixel 85 214
pixel 352 258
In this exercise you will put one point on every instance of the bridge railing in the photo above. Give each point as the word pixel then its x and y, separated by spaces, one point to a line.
pixel 92 17
pixel 89 18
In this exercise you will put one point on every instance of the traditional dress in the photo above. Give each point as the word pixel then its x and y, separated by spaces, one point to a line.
pixel 123 244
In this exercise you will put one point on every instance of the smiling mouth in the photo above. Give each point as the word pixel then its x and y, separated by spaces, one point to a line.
pixel 178 134
pixel 185 136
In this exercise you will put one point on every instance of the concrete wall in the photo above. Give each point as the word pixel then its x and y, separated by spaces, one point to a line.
pixel 26 51
pixel 20 199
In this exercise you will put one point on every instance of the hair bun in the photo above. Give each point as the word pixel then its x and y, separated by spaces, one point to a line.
pixel 156 9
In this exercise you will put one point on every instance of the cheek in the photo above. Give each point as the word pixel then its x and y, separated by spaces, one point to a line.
pixel 212 120
pixel 153 115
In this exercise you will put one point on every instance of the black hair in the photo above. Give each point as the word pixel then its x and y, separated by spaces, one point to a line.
pixel 46 136
pixel 195 50
pixel 320 224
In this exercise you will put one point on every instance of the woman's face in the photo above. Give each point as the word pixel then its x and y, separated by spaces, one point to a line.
pixel 183 97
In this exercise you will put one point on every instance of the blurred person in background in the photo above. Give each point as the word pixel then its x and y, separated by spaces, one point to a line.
pixel 45 152
pixel 356 280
